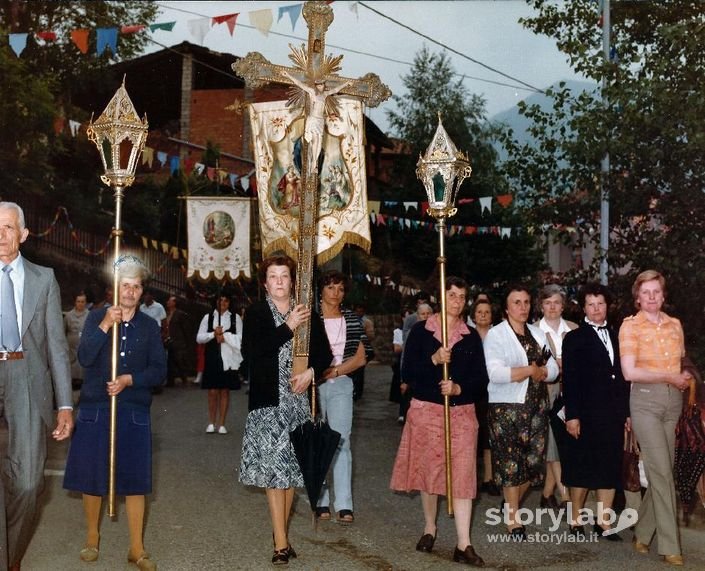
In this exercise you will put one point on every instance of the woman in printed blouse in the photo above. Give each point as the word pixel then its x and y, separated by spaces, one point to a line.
pixel 652 346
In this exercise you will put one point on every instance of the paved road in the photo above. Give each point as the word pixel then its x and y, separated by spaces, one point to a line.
pixel 200 518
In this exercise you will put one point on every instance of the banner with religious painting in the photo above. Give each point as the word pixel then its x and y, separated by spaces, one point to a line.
pixel 342 213
pixel 218 237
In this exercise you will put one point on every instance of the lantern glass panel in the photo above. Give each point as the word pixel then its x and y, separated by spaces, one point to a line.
pixel 439 187
pixel 107 153
pixel 125 153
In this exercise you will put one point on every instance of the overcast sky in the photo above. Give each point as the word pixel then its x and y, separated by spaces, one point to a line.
pixel 484 30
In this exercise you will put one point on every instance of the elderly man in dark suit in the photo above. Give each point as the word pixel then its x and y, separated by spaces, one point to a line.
pixel 33 356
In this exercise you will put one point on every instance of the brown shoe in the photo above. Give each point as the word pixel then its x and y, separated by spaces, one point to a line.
pixel 468 557
pixel 673 559
pixel 640 547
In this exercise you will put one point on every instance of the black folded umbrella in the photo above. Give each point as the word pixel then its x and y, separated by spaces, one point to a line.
pixel 315 444
pixel 690 451
pixel 558 426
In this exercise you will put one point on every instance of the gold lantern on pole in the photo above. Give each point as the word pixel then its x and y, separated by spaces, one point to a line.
pixel 442 170
pixel 120 135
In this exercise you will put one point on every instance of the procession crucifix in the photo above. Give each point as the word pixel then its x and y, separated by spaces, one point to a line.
pixel 314 84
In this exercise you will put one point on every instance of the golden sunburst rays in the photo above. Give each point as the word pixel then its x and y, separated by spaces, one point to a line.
pixel 298 56
pixel 329 66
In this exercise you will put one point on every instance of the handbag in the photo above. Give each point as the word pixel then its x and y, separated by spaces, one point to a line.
pixel 631 481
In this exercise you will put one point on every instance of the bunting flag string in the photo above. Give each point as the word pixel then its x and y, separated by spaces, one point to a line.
pixel 173 252
pixel 262 20
pixel 223 176
pixel 61 210
pixel 402 223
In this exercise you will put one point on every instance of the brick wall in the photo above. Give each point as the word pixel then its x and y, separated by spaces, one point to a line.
pixel 210 121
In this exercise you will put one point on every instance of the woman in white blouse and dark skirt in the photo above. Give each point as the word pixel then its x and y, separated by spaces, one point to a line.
pixel 519 365
pixel 221 332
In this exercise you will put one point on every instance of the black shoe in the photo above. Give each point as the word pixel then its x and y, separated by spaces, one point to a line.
pixel 291 552
pixel 577 530
pixel 468 556
pixel 601 534
pixel 549 502
pixel 281 556
pixel 518 534
pixel 426 542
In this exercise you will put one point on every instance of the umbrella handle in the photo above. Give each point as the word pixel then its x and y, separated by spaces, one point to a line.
pixel 313 395
pixel 692 395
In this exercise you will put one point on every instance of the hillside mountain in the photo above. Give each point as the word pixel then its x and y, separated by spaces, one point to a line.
pixel 519 124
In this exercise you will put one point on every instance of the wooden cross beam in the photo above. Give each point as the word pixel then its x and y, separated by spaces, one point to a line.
pixel 314 81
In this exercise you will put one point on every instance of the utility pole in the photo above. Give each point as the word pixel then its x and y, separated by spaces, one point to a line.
pixel 605 166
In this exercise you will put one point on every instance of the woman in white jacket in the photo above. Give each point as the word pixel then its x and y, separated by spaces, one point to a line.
pixel 519 365
pixel 221 332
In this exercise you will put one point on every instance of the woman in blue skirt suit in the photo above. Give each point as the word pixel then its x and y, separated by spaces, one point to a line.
pixel 141 366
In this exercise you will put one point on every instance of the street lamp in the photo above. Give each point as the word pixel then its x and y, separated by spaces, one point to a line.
pixel 442 170
pixel 120 135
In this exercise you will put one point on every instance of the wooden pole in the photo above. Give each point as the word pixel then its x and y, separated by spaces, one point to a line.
pixel 446 377
pixel 112 440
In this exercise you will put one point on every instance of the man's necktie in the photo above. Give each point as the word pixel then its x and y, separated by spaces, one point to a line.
pixel 8 324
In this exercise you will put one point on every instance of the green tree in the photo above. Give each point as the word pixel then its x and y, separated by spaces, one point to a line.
pixel 60 61
pixel 652 124
pixel 36 91
pixel 27 126
pixel 433 88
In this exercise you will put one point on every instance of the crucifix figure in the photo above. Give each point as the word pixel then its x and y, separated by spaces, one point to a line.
pixel 315 122
pixel 314 83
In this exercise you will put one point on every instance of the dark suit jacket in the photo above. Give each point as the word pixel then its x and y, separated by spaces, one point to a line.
pixel 594 389
pixel 46 363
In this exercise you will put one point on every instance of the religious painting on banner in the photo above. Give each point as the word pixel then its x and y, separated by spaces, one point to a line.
pixel 342 211
pixel 218 237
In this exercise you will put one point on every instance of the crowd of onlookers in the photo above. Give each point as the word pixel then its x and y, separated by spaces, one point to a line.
pixel 560 400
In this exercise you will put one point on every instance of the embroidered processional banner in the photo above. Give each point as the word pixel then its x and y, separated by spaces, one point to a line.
pixel 342 213
pixel 218 237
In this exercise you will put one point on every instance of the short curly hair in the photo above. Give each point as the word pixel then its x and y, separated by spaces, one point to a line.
pixel 280 260
pixel 594 289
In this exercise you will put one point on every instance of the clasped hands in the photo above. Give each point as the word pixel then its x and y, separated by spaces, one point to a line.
pixel 681 380
pixel 538 373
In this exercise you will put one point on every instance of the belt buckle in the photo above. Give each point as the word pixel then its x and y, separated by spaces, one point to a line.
pixel 10 355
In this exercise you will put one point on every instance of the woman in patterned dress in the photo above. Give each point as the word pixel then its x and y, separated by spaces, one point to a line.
pixel 278 401
pixel 518 400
